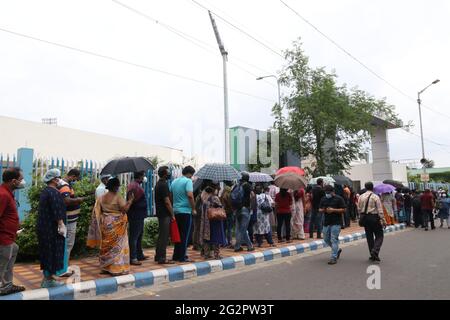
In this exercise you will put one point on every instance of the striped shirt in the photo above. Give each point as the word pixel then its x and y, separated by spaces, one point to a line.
pixel 72 211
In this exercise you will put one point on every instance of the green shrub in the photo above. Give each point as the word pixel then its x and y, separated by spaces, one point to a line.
pixel 27 240
pixel 150 233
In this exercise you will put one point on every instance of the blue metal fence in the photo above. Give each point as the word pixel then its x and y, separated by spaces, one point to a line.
pixel 35 168
pixel 432 186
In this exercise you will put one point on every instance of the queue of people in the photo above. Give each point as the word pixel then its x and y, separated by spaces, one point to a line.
pixel 205 218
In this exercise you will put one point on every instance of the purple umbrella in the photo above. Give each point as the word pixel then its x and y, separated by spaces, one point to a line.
pixel 383 188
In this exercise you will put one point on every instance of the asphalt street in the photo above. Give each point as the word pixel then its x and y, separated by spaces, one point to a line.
pixel 415 265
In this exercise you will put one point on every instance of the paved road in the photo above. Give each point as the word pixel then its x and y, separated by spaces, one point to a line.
pixel 415 265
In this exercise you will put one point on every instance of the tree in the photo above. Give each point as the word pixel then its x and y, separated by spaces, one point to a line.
pixel 325 120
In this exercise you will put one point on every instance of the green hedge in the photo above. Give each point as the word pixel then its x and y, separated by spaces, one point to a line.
pixel 28 242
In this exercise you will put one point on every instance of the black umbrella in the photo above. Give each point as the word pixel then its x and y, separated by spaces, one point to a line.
pixel 342 180
pixel 197 184
pixel 362 191
pixel 127 164
pixel 396 184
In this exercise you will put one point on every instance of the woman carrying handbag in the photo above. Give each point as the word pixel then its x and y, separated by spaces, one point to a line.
pixel 212 234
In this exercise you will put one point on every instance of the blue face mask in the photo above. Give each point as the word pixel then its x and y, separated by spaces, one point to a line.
pixel 328 195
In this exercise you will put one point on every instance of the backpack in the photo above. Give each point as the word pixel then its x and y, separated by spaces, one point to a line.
pixel 265 206
pixel 237 197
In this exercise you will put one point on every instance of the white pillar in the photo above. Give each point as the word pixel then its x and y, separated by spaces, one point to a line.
pixel 382 167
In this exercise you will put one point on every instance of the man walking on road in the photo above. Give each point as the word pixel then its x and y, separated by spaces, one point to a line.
pixel 371 211
pixel 333 206
pixel 427 201
pixel 316 216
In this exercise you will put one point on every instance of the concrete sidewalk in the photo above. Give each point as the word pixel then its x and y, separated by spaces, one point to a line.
pixel 30 275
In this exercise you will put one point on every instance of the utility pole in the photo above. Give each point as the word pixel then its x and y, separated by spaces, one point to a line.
pixel 224 54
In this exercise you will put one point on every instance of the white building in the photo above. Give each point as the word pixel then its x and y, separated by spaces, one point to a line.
pixel 71 144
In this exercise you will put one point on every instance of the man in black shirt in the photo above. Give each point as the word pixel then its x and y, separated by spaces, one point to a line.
pixel 333 206
pixel 407 202
pixel 316 215
pixel 165 214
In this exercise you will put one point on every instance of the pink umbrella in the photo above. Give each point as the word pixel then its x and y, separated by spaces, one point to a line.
pixel 296 170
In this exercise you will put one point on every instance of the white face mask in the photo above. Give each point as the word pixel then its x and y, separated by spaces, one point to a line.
pixel 144 180
pixel 22 184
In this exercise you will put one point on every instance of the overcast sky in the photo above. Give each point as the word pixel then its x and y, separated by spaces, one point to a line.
pixel 405 42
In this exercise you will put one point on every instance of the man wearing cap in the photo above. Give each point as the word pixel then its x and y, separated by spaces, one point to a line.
pixel 333 207
pixel 52 231
pixel 101 189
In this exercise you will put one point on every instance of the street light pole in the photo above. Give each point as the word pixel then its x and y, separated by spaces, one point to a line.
pixel 278 83
pixel 419 101
pixel 224 54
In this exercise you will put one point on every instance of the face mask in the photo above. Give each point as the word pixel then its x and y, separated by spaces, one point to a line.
pixel 144 180
pixel 21 185
pixel 59 182
pixel 328 195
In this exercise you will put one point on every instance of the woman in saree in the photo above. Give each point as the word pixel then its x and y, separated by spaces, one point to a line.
pixel 212 233
pixel 389 207
pixel 307 209
pixel 298 233
pixel 108 230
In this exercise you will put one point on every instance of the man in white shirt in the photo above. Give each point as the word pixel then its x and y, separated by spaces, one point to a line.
pixel 101 189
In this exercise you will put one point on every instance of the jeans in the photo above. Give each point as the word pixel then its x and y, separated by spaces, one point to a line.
pixel 316 221
pixel 8 255
pixel 135 239
pixel 286 220
pixel 184 222
pixel 71 233
pixel 428 217
pixel 242 221
pixel 408 216
pixel 374 234
pixel 163 238
pixel 229 223
pixel 331 238
pixel 251 223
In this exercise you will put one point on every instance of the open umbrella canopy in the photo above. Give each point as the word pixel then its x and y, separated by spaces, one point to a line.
pixel 218 172
pixel 260 177
pixel 342 180
pixel 291 181
pixel 383 188
pixel 326 180
pixel 396 184
pixel 127 164
pixel 296 170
